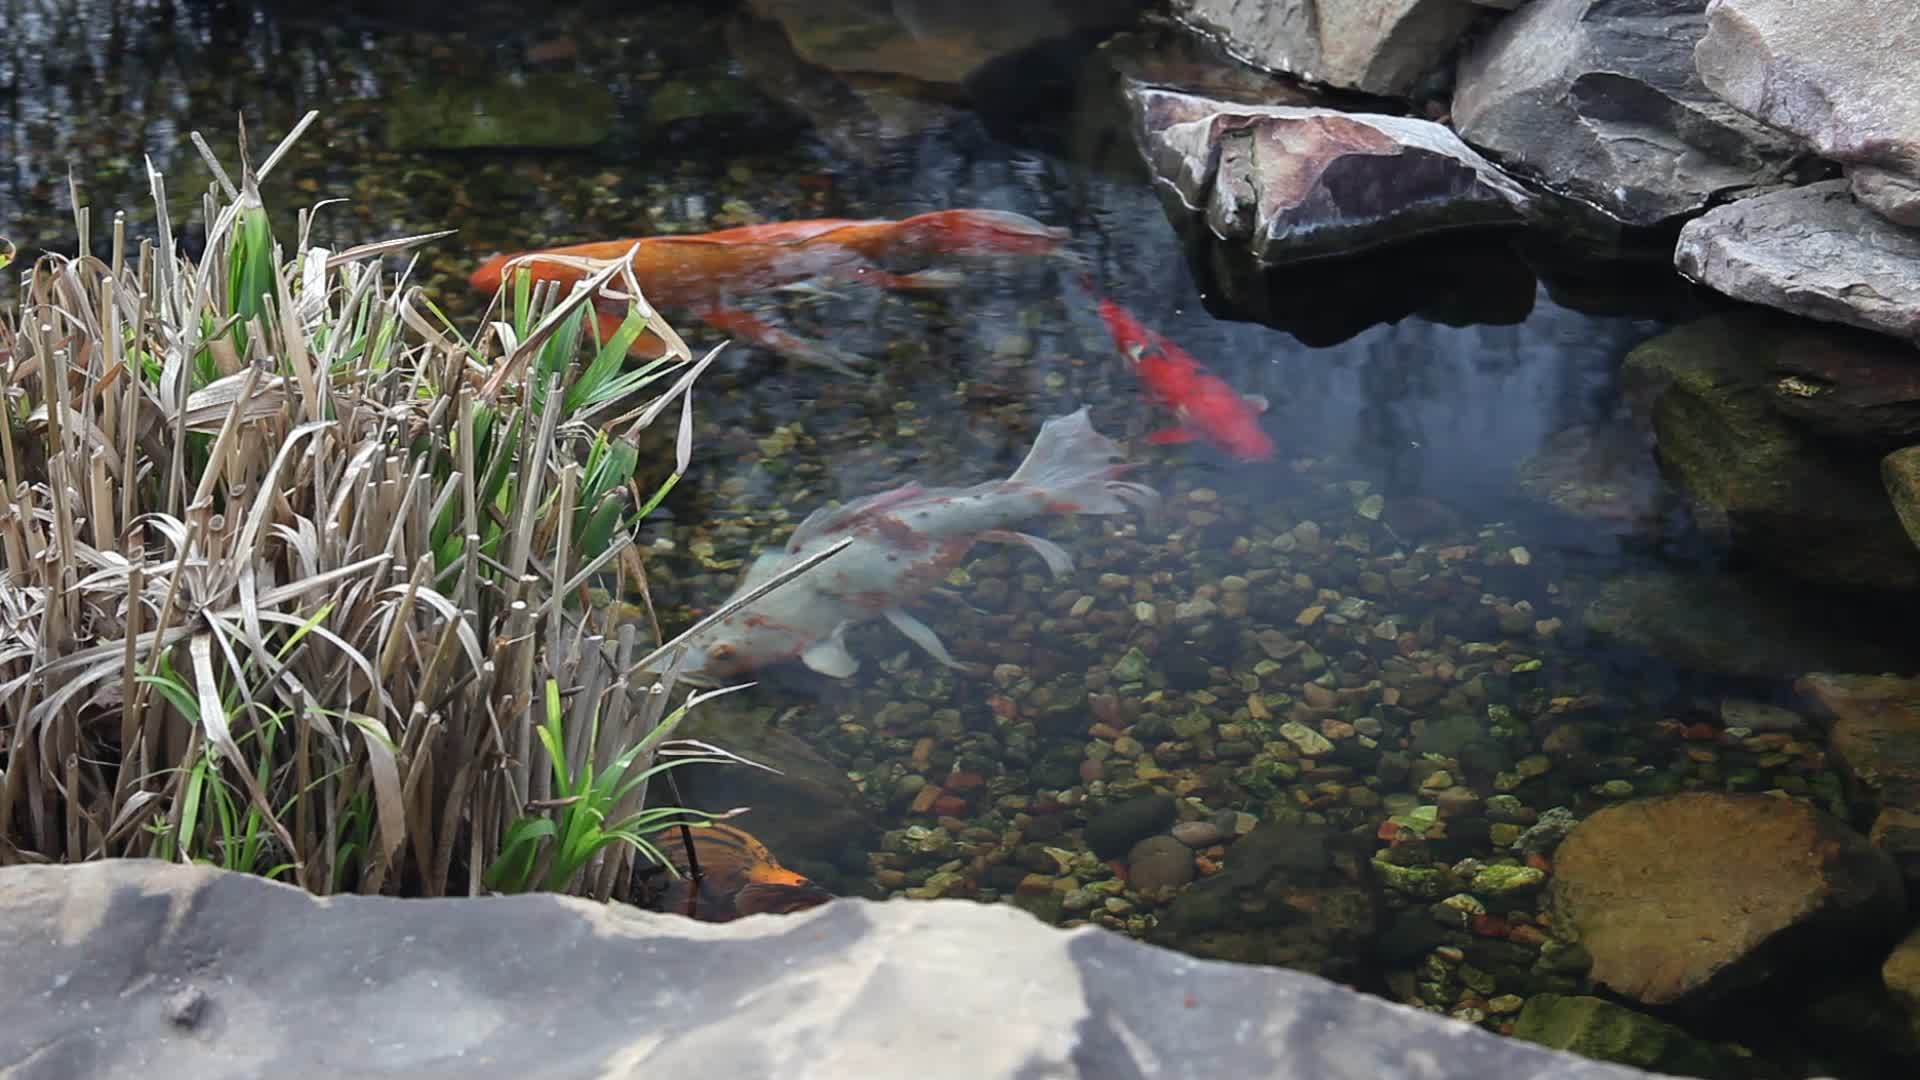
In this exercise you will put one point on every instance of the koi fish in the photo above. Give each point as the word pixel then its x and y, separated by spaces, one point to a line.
pixel 1207 407
pixel 703 272
pixel 904 542
pixel 738 877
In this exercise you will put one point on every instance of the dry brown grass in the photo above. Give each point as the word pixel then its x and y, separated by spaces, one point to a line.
pixel 292 574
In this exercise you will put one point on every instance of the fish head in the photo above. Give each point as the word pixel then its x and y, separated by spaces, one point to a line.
pixel 982 233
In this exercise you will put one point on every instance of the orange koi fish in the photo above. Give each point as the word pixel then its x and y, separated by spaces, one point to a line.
pixel 1207 407
pixel 738 877
pixel 703 273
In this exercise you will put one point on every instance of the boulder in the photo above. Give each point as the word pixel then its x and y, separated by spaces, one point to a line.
pixel 1376 46
pixel 1681 899
pixel 1730 626
pixel 1875 737
pixel 1813 251
pixel 1294 183
pixel 1299 896
pixel 1600 100
pixel 861 123
pixel 1837 73
pixel 1594 1028
pixel 1810 509
pixel 546 110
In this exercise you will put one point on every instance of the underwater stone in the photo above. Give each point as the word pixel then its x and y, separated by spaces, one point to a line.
pixel 1115 829
pixel 539 110
pixel 1507 880
pixel 1159 862
pixel 1309 742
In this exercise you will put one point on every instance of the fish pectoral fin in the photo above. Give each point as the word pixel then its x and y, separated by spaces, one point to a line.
pixel 1257 402
pixel 1173 436
pixel 922 635
pixel 830 657
pixel 1059 563
pixel 792 346
pixel 813 287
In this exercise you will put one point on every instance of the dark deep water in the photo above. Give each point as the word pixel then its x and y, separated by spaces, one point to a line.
pixel 1407 396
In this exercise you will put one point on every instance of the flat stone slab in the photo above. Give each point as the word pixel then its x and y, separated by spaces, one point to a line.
pixel 1813 251
pixel 156 971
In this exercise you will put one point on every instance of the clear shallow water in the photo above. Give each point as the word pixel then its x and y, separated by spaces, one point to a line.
pixel 1453 604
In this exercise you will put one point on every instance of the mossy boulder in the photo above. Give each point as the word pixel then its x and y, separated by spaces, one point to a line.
pixel 1813 508
pixel 1599 1029
pixel 533 111
pixel 1683 899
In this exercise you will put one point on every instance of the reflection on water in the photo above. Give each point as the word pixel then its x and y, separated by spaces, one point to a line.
pixel 1380 626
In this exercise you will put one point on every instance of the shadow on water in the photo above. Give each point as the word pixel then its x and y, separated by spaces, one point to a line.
pixel 1391 555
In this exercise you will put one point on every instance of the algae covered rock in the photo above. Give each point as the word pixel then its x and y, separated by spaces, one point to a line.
pixel 1811 509
pixel 541 110
pixel 1602 1030
pixel 1681 899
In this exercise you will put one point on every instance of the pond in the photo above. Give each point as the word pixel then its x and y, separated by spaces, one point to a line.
pixel 1458 597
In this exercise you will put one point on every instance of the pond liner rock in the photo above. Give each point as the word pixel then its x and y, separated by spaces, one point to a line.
pixel 141 969
pixel 1600 101
pixel 1838 73
pixel 1813 251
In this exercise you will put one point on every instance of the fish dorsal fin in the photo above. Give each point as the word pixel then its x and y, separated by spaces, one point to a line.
pixel 830 657
pixel 826 522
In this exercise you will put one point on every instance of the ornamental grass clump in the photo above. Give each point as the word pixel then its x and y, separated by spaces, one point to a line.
pixel 294 576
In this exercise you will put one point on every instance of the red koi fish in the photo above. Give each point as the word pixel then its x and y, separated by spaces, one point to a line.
pixel 1206 406
pixel 704 273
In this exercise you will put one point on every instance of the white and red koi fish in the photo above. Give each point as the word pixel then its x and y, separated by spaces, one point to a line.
pixel 904 542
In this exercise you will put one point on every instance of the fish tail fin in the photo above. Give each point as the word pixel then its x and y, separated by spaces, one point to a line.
pixel 1072 464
